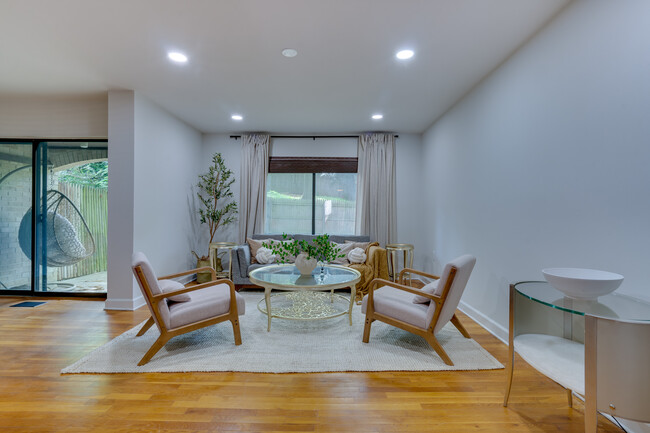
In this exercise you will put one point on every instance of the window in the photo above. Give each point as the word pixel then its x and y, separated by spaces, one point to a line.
pixel 311 195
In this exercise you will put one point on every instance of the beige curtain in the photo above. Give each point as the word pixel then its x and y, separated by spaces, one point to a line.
pixel 376 206
pixel 252 192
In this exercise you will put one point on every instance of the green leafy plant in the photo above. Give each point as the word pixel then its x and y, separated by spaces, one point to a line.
pixel 213 193
pixel 320 248
pixel 94 174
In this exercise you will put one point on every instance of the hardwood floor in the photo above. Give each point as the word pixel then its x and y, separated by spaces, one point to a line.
pixel 36 343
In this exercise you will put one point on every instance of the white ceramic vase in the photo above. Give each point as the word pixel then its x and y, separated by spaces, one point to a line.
pixel 304 265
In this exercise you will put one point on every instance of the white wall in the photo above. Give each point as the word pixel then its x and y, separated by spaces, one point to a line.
pixel 54 117
pixel 321 147
pixel 167 155
pixel 153 159
pixel 408 166
pixel 545 163
pixel 411 195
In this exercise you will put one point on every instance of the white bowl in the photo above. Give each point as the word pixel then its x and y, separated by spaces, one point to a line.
pixel 582 283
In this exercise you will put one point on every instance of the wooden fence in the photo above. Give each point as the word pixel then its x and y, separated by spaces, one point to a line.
pixel 93 205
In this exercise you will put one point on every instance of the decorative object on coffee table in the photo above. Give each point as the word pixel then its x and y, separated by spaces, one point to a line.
pixel 307 254
pixel 215 208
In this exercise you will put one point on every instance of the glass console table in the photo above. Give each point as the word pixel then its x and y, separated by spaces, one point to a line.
pixel 547 330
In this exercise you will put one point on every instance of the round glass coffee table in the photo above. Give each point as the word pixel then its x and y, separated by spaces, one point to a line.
pixel 303 300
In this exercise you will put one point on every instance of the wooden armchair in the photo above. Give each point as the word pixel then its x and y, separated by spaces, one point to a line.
pixel 192 307
pixel 399 305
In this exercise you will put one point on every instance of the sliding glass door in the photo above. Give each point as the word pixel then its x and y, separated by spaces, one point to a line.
pixel 74 198
pixel 53 223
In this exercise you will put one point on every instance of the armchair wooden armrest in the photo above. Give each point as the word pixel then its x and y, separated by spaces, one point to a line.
pixel 191 271
pixel 400 277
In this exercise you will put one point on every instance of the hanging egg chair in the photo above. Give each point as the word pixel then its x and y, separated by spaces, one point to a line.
pixel 68 238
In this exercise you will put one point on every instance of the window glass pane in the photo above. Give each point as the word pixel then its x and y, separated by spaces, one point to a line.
pixel 15 218
pixel 77 182
pixel 288 203
pixel 336 195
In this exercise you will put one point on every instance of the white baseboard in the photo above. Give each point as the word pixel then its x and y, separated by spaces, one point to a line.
pixel 490 325
pixel 124 304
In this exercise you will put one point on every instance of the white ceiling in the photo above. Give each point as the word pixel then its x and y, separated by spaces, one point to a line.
pixel 344 72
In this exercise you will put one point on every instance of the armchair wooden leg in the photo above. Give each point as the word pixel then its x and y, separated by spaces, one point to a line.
pixel 366 329
pixel 460 327
pixel 236 331
pixel 148 324
pixel 439 350
pixel 160 342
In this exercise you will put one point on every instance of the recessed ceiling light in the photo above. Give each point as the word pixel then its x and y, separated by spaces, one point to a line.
pixel 237 117
pixel 177 57
pixel 289 52
pixel 404 54
pixel 377 116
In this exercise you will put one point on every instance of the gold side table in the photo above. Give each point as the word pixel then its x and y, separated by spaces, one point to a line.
pixel 393 251
pixel 213 253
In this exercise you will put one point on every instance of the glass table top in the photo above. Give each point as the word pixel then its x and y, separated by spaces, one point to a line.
pixel 288 275
pixel 612 306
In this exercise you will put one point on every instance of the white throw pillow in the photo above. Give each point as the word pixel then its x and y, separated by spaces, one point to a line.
pixel 265 256
pixel 167 286
pixel 431 289
pixel 344 249
pixel 357 255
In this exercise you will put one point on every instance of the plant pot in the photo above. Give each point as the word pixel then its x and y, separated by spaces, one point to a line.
pixel 203 276
pixel 304 265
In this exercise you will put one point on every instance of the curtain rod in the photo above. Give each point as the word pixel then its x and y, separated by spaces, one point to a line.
pixel 313 137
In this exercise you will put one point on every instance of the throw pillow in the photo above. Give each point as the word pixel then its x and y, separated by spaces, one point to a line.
pixel 431 289
pixel 265 256
pixel 357 255
pixel 362 245
pixel 256 244
pixel 167 286
pixel 344 249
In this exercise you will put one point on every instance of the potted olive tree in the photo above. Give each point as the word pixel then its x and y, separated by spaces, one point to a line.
pixel 215 208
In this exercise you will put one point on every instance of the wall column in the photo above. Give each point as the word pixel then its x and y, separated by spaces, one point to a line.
pixel 123 293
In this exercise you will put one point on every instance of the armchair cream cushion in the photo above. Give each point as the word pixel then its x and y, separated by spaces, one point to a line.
pixel 205 303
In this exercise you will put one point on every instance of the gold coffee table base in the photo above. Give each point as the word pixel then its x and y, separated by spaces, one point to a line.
pixel 306 305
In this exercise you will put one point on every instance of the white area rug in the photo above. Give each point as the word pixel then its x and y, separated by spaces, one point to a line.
pixel 291 346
